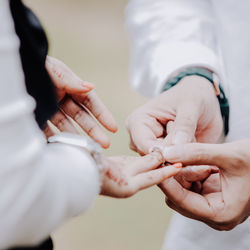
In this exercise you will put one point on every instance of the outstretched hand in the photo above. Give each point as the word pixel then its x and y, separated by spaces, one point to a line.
pixel 76 99
pixel 126 175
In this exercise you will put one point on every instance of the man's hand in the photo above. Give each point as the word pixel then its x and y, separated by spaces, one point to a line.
pixel 125 175
pixel 189 111
pixel 77 100
pixel 223 203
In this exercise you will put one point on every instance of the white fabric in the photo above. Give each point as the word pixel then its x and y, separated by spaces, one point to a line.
pixel 168 35
pixel 40 185
pixel 193 235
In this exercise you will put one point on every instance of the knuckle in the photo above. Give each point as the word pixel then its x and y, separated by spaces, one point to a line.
pixel 91 131
pixel 198 153
pixel 62 123
pixel 79 114
pixel 87 102
pixel 99 116
pixel 158 156
pixel 59 120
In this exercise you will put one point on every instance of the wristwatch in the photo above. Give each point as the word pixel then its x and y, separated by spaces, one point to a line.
pixel 80 141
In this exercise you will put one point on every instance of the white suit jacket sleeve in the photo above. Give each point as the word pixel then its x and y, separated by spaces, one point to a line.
pixel 40 185
pixel 166 36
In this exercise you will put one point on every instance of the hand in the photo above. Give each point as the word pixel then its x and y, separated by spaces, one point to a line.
pixel 188 111
pixel 126 175
pixel 77 100
pixel 228 203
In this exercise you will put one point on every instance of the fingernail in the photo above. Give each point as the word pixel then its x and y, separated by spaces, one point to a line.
pixel 172 153
pixel 181 138
pixel 87 86
pixel 177 165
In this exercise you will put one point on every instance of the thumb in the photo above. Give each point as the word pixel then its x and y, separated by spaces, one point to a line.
pixel 65 79
pixel 197 154
pixel 185 124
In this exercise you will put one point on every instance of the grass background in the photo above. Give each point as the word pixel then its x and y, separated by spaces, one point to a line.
pixel 90 37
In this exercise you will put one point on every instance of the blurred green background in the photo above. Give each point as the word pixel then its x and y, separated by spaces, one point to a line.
pixel 90 37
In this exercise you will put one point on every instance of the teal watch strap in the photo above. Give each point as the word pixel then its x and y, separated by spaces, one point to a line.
pixel 224 104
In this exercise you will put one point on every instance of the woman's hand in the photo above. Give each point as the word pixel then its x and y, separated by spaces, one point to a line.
pixel 126 175
pixel 225 202
pixel 76 99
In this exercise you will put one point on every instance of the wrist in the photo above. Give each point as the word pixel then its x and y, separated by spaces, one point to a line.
pixel 82 142
pixel 198 86
pixel 212 79
pixel 198 90
pixel 104 168
pixel 105 165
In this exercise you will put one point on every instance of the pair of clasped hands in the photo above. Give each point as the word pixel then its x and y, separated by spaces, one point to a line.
pixel 203 181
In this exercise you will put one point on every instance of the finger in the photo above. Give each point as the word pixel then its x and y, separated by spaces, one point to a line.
pixel 146 163
pixel 154 177
pixel 170 126
pixel 168 140
pixel 185 124
pixel 212 184
pixel 197 154
pixel 61 121
pixel 195 173
pixel 85 121
pixel 145 133
pixel 50 130
pixel 93 103
pixel 192 203
pixel 64 79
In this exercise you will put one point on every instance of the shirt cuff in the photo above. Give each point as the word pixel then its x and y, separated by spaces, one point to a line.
pixel 169 58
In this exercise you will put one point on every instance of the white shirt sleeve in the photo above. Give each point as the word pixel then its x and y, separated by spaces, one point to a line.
pixel 41 185
pixel 166 36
